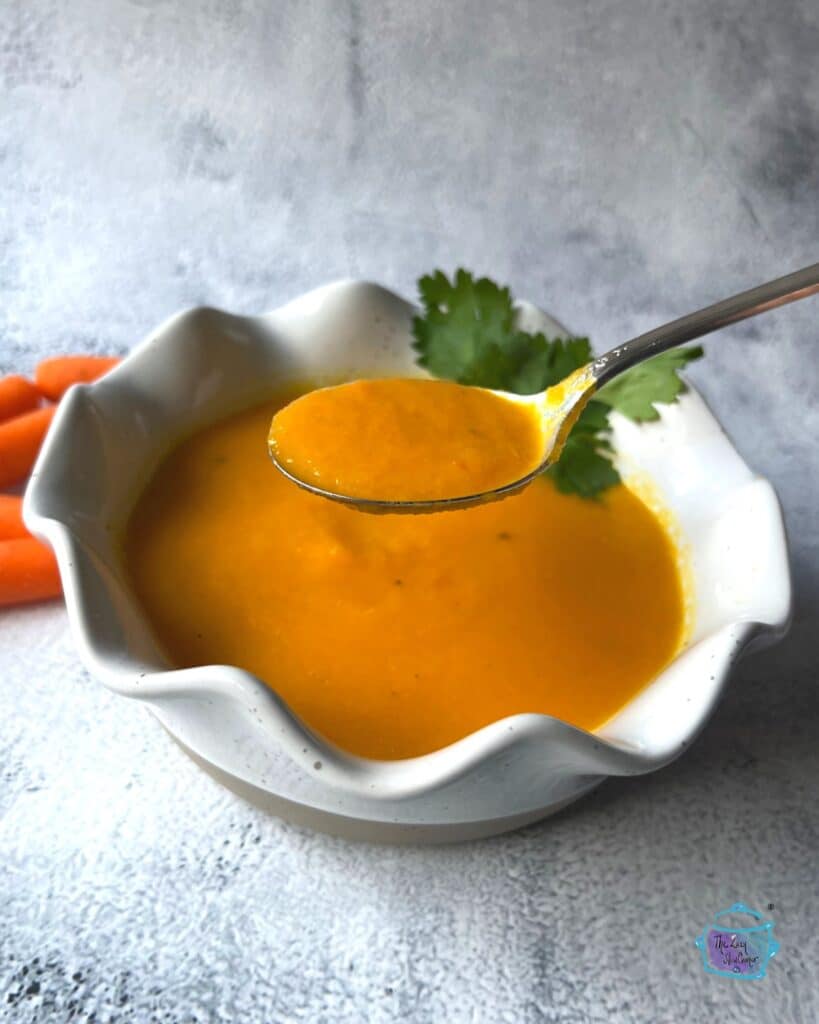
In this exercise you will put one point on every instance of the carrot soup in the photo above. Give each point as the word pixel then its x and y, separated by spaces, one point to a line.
pixel 393 636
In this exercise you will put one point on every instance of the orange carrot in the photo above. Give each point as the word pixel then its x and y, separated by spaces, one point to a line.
pixel 17 395
pixel 20 440
pixel 12 526
pixel 55 376
pixel 28 571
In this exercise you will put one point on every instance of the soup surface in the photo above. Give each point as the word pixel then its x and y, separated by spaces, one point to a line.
pixel 406 439
pixel 395 635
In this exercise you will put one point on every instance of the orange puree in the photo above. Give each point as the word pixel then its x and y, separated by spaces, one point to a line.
pixel 406 440
pixel 396 635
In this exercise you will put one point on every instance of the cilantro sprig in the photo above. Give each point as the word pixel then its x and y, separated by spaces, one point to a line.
pixel 468 333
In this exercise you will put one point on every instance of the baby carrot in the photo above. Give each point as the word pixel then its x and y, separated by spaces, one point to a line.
pixel 28 571
pixel 11 518
pixel 55 376
pixel 17 395
pixel 20 440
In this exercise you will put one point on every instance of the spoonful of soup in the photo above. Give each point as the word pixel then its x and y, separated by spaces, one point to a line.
pixel 421 445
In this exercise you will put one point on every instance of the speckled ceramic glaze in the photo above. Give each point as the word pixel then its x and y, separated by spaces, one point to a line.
pixel 203 364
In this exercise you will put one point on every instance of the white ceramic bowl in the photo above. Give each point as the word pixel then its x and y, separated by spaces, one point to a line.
pixel 202 364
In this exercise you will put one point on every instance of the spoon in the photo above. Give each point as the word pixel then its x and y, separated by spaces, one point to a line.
pixel 558 408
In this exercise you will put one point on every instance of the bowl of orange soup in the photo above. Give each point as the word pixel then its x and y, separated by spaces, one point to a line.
pixel 395 677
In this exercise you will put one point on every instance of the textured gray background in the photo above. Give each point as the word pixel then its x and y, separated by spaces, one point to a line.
pixel 619 163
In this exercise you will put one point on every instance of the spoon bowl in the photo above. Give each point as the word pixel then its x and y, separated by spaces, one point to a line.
pixel 555 412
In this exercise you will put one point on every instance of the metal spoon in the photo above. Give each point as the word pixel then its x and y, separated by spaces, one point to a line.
pixel 559 407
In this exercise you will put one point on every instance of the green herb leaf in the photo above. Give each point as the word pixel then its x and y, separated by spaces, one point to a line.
pixel 468 334
pixel 635 392
pixel 466 328
pixel 539 362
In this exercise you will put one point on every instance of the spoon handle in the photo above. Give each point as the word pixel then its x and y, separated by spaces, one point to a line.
pixel 789 288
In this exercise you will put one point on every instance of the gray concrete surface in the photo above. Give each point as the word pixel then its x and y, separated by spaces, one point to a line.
pixel 617 162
